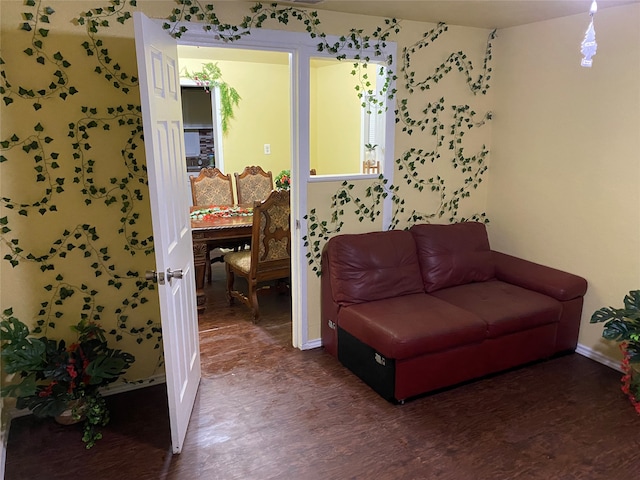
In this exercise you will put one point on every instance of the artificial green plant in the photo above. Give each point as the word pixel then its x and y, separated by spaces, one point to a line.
pixel 211 77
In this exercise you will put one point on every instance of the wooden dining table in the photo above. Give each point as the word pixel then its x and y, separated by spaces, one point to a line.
pixel 210 232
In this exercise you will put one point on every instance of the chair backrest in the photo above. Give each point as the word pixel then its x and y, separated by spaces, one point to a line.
pixel 211 187
pixel 371 167
pixel 253 185
pixel 271 237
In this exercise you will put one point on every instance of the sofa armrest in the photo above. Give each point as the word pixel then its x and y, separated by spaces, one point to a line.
pixel 328 308
pixel 560 285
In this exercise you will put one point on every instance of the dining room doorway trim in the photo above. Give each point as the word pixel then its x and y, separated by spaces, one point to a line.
pixel 301 48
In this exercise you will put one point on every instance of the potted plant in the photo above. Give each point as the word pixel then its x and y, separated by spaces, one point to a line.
pixel 60 380
pixel 623 325
pixel 370 154
pixel 283 180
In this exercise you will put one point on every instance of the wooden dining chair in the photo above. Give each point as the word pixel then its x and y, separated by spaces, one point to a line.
pixel 253 185
pixel 269 257
pixel 211 187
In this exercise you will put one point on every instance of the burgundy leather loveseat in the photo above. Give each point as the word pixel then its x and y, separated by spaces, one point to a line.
pixel 410 311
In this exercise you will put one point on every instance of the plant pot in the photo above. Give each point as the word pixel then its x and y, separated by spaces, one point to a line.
pixel 74 413
pixel 370 158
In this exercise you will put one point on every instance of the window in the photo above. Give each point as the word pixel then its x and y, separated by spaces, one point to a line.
pixel 346 117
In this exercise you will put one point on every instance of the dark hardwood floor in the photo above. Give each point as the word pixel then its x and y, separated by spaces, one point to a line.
pixel 268 411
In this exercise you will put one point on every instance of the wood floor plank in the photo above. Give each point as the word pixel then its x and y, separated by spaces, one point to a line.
pixel 268 411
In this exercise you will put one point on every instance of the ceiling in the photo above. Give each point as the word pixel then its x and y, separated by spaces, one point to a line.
pixel 469 13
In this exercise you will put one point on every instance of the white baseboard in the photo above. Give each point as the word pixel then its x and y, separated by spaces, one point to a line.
pixel 598 357
pixel 128 387
pixel 310 344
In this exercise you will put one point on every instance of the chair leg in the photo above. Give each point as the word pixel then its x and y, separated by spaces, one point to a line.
pixel 207 271
pixel 230 279
pixel 282 286
pixel 253 300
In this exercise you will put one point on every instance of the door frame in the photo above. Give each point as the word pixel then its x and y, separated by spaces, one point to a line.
pixel 301 47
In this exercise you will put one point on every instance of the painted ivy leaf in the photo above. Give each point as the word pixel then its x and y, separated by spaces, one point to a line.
pixel 43 31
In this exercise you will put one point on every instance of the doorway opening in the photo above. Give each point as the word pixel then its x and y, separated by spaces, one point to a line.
pixel 258 132
pixel 308 121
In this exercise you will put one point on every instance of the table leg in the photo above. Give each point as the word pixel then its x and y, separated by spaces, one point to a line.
pixel 200 253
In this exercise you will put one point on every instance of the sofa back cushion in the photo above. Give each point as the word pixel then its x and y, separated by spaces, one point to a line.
pixel 373 266
pixel 452 255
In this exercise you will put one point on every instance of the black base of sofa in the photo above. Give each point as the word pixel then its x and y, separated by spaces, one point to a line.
pixel 366 363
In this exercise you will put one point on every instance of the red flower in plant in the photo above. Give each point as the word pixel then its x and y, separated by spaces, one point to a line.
pixel 72 371
pixel 625 386
pixel 47 391
pixel 627 378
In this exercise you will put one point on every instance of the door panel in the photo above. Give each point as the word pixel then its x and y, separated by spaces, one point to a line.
pixel 163 131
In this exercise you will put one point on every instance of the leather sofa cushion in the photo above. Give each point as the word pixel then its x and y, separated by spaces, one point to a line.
pixel 453 254
pixel 504 307
pixel 412 325
pixel 373 266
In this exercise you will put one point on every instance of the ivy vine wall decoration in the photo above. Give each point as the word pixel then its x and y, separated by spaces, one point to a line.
pixel 420 168
pixel 75 220
pixel 464 117
pixel 81 217
pixel 356 39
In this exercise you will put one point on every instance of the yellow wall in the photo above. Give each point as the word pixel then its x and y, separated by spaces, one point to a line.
pixel 96 243
pixel 119 247
pixel 456 91
pixel 263 117
pixel 565 175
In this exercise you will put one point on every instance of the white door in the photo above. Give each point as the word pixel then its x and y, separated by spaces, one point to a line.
pixel 162 121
